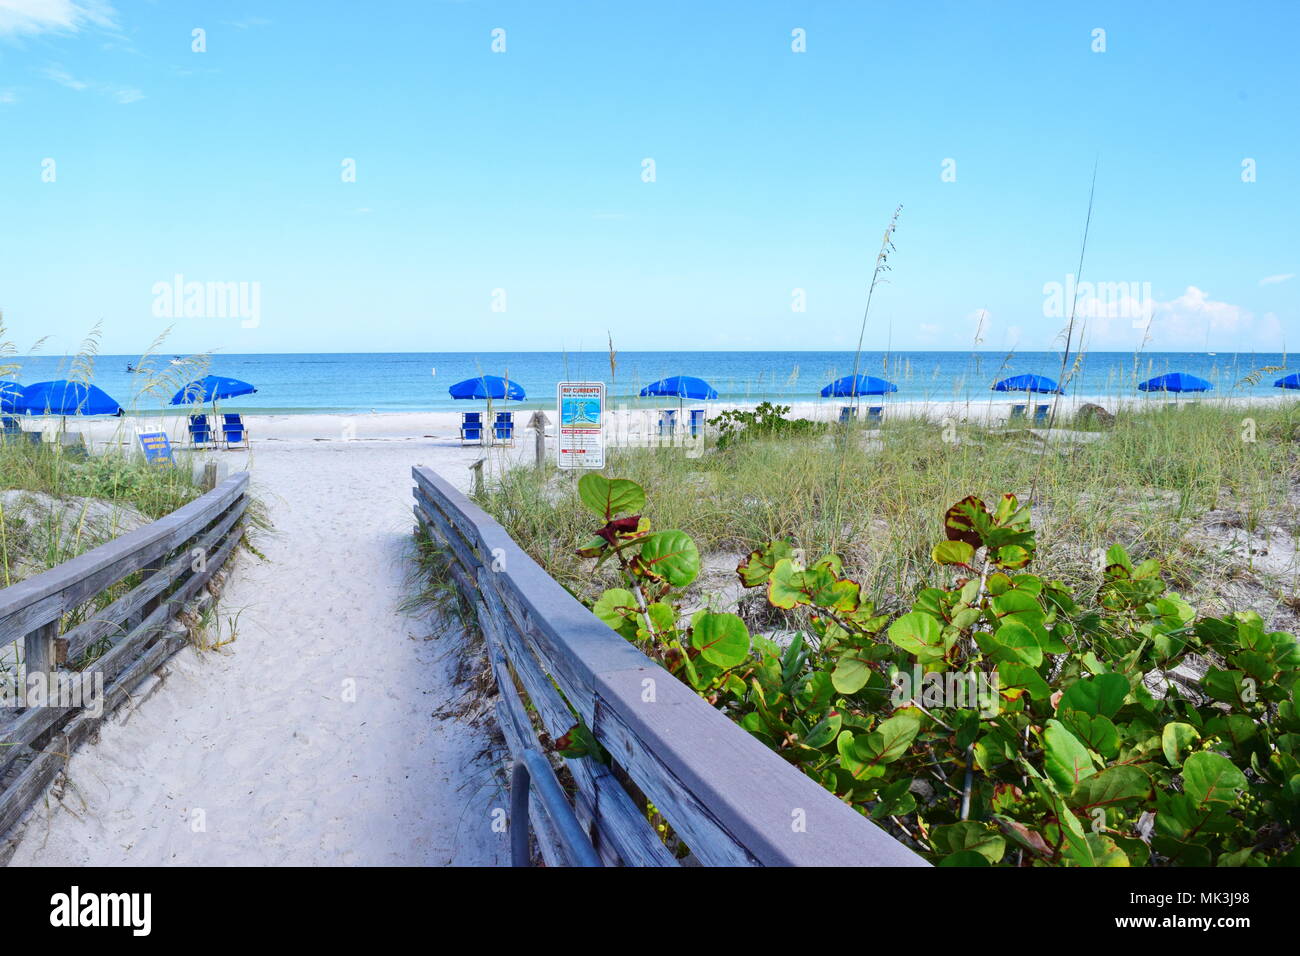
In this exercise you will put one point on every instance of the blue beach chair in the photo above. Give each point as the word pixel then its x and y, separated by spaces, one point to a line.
pixel 1017 413
pixel 847 414
pixel 875 415
pixel 503 430
pixel 200 431
pixel 667 422
pixel 233 431
pixel 1040 414
pixel 697 422
pixel 471 428
pixel 12 429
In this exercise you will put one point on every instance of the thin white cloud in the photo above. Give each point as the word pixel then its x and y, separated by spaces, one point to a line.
pixel 64 78
pixel 27 17
pixel 1274 280
pixel 8 96
pixel 122 94
pixel 246 23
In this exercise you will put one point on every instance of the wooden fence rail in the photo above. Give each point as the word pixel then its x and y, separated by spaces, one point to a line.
pixel 127 639
pixel 732 800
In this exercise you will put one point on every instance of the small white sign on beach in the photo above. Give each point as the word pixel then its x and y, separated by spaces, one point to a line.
pixel 580 435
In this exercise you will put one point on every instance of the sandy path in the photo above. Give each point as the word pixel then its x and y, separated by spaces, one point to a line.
pixel 260 753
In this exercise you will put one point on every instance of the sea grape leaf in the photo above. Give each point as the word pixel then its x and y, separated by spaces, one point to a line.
pixel 721 639
pixel 1103 694
pixel 610 496
pixel 671 555
pixel 1210 779
pixel 919 634
pixel 1065 759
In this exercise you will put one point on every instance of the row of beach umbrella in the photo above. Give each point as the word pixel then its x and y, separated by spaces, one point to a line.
pixel 64 397
pixel 849 386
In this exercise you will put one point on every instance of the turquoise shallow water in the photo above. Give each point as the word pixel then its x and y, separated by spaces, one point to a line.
pixel 418 381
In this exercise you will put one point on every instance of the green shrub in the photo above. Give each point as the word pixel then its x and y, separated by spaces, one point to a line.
pixel 998 721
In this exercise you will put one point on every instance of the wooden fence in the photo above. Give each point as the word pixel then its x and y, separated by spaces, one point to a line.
pixel 732 800
pixel 172 559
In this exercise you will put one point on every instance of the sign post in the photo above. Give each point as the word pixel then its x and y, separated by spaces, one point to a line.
pixel 580 436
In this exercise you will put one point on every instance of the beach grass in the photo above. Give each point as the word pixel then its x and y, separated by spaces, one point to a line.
pixel 1212 490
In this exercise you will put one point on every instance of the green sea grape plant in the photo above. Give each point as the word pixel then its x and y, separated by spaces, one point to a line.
pixel 704 649
pixel 996 720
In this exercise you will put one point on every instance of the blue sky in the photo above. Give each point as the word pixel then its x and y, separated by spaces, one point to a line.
pixel 522 171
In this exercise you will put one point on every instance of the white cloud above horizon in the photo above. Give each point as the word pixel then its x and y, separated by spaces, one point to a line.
pixel 1192 319
pixel 1274 280
pixel 29 17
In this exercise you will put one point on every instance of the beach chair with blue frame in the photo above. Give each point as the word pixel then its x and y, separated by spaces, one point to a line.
pixel 503 429
pixel 1040 415
pixel 667 422
pixel 200 432
pixel 875 415
pixel 471 428
pixel 696 422
pixel 847 414
pixel 1017 413
pixel 12 429
pixel 233 431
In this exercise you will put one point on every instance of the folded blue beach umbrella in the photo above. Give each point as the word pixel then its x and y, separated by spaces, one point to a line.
pixel 1288 381
pixel 11 398
pixel 851 386
pixel 487 386
pixel 681 386
pixel 62 397
pixel 1028 383
pixel 1175 382
pixel 211 388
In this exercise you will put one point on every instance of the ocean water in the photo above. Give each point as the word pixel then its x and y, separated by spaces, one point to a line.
pixel 418 381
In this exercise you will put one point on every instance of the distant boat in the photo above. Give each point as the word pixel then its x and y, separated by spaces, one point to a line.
pixel 132 368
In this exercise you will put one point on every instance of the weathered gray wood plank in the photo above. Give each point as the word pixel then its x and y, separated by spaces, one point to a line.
pixel 733 800
pixel 43 598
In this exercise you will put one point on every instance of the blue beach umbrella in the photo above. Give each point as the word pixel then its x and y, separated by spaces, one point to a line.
pixel 1029 383
pixel 1175 382
pixel 681 386
pixel 62 397
pixel 11 398
pixel 211 388
pixel 1288 381
pixel 851 386
pixel 487 387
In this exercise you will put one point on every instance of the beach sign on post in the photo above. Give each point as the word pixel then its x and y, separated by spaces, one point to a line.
pixel 157 448
pixel 580 436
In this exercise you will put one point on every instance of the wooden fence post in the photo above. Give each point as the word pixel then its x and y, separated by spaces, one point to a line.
pixel 477 468
pixel 40 655
pixel 538 424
